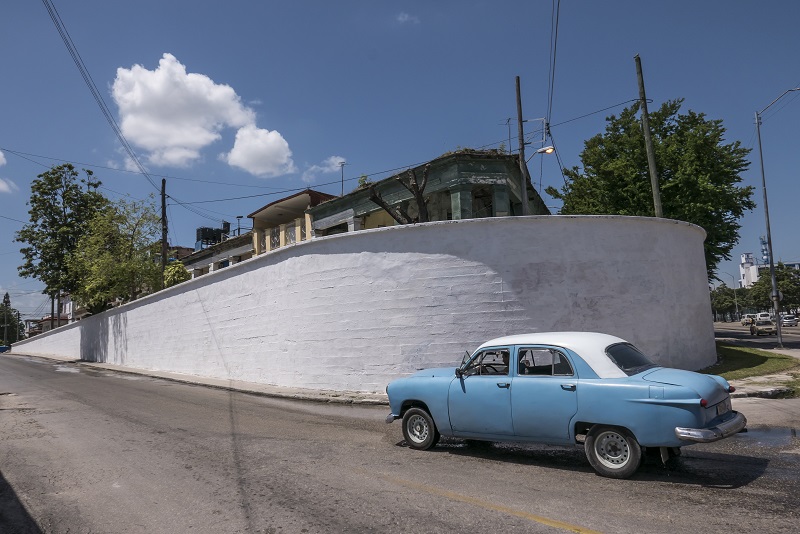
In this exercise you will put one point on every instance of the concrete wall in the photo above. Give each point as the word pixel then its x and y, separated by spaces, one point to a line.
pixel 353 311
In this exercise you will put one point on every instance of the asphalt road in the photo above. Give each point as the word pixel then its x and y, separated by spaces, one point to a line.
pixel 790 336
pixel 93 451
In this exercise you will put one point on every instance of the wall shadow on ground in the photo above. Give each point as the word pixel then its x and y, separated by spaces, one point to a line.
pixel 13 515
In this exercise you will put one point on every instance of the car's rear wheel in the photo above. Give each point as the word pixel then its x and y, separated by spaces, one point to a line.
pixel 419 430
pixel 613 452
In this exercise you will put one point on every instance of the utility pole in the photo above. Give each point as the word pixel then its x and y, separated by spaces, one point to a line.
pixel 773 279
pixel 342 164
pixel 6 317
pixel 648 141
pixel 523 168
pixel 164 245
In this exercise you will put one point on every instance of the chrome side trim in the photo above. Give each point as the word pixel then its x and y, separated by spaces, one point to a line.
pixel 706 435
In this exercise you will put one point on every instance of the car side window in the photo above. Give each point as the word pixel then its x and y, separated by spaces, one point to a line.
pixel 489 362
pixel 543 362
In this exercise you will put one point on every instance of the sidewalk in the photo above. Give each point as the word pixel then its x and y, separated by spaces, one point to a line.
pixel 767 386
pixel 265 390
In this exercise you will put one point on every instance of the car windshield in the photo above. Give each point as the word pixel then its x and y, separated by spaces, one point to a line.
pixel 763 323
pixel 629 359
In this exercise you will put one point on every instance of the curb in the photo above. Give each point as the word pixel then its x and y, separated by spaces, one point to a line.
pixel 774 393
pixel 323 396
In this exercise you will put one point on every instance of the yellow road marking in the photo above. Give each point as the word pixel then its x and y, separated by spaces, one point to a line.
pixel 489 506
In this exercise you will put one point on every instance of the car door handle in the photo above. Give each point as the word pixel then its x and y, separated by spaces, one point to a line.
pixel 503 385
pixel 568 387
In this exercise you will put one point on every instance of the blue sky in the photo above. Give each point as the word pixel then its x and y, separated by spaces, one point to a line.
pixel 250 98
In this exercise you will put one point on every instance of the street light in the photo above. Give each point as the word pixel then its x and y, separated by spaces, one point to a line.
pixel 775 293
pixel 525 178
pixel 735 302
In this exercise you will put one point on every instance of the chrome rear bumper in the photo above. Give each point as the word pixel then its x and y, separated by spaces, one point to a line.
pixel 706 435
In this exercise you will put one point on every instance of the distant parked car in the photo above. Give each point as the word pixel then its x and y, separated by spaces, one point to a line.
pixel 763 316
pixel 763 327
pixel 788 320
pixel 566 388
pixel 748 318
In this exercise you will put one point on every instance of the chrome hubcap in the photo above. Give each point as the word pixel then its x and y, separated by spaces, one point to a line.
pixel 418 428
pixel 612 450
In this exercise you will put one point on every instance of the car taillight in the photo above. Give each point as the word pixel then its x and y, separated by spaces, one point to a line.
pixel 703 403
pixel 731 389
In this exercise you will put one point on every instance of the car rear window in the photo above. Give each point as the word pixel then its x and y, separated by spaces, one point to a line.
pixel 629 359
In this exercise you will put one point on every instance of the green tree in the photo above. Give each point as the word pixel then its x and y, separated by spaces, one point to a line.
pixel 61 206
pixel 175 273
pixel 698 175
pixel 10 316
pixel 116 258
pixel 724 300
pixel 788 281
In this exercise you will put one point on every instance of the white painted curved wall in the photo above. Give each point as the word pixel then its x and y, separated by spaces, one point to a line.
pixel 354 311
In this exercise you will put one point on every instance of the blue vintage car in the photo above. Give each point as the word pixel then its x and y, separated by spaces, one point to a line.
pixel 566 388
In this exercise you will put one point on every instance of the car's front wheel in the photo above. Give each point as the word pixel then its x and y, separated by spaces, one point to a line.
pixel 613 452
pixel 419 430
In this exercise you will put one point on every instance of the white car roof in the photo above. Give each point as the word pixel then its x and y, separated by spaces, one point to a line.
pixel 591 346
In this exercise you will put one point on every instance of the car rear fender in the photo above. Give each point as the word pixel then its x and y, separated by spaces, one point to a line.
pixel 650 412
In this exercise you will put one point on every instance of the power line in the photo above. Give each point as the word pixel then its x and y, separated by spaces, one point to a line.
pixel 596 112
pixel 10 219
pixel 22 155
pixel 206 214
pixel 87 78
pixel 558 159
pixel 551 79
pixel 786 102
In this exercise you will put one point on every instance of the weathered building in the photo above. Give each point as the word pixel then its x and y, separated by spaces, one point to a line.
pixel 467 184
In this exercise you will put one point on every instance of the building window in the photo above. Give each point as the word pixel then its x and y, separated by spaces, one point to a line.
pixel 303 235
pixel 290 234
pixel 274 237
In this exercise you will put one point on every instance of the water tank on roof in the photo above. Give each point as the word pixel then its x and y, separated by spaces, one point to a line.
pixel 205 234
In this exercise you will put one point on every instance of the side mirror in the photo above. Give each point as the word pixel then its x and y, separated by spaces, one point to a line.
pixel 459 374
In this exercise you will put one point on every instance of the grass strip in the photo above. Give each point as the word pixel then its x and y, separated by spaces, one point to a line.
pixel 735 362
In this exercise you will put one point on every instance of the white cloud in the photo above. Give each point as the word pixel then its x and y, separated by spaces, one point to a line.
pixel 329 165
pixel 7 186
pixel 173 115
pixel 405 18
pixel 260 152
